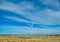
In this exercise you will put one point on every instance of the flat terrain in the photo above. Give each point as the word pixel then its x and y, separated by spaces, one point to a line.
pixel 30 38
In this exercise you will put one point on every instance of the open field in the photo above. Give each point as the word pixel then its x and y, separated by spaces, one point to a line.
pixel 30 38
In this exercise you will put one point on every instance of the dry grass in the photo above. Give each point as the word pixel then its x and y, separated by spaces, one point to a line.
pixel 29 38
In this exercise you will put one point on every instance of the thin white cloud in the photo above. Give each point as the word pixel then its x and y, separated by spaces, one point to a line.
pixel 23 8
pixel 16 19
pixel 29 11
pixel 55 14
pixel 20 8
pixel 11 7
pixel 52 17
pixel 51 2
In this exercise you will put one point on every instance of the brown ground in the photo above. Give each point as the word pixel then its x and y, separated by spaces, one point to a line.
pixel 29 38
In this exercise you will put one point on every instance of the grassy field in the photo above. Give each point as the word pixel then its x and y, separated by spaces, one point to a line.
pixel 30 38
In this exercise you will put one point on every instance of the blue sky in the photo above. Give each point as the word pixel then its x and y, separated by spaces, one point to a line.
pixel 29 17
